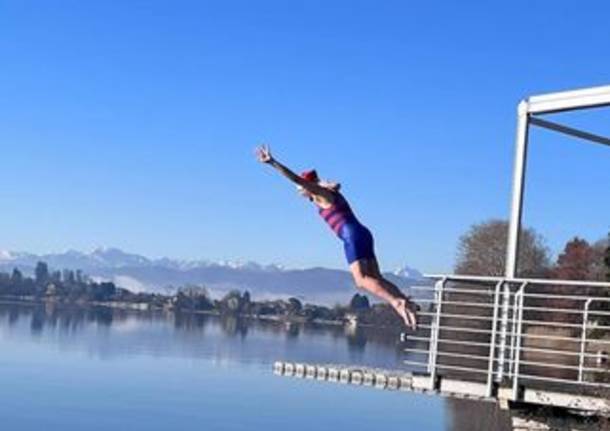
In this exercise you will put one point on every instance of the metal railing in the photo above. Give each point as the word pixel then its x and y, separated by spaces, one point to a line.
pixel 514 333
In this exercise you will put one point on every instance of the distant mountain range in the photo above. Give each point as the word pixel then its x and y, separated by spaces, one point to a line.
pixel 139 273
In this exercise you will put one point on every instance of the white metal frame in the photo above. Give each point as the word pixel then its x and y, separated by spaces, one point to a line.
pixel 528 113
pixel 505 338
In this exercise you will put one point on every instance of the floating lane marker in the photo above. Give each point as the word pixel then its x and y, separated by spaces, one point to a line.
pixel 348 375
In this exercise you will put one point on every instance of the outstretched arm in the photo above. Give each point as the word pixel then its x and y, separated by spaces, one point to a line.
pixel 264 156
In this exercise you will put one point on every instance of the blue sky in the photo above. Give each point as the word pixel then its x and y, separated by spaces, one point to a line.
pixel 132 124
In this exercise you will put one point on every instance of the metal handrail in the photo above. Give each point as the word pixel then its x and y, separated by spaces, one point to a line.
pixel 505 329
pixel 448 367
pixel 530 363
pixel 456 342
pixel 526 349
pixel 455 316
pixel 546 281
pixel 527 322
pixel 527 295
pixel 526 308
pixel 454 290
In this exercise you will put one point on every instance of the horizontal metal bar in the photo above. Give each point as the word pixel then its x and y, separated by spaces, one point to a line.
pixel 526 295
pixel 569 100
pixel 528 322
pixel 572 297
pixel 519 281
pixel 450 354
pixel 557 338
pixel 541 309
pixel 457 316
pixel 486 345
pixel 456 342
pixel 422 351
pixel 563 325
pixel 551 296
pixel 557 380
pixel 522 362
pixel 557 352
pixel 450 367
pixel 558 366
pixel 564 310
pixel 457 277
pixel 454 290
pixel 459 329
pixel 465 304
pixel 525 335
pixel 556 127
pixel 547 323
pixel 570 94
pixel 463 356
pixel 416 363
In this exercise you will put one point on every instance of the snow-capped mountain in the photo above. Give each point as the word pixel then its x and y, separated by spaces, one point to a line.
pixel 139 273
pixel 11 256
pixel 408 272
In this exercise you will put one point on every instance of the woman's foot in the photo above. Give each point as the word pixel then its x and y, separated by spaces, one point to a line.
pixel 406 310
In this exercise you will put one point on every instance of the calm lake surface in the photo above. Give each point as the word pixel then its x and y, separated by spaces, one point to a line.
pixel 99 369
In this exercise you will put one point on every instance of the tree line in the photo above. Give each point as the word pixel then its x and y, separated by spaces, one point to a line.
pixel 482 251
pixel 74 287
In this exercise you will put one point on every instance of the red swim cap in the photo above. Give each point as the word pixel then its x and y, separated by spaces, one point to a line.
pixel 311 175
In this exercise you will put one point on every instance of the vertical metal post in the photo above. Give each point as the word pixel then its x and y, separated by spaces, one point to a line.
pixel 583 339
pixel 513 332
pixel 503 331
pixel 517 359
pixel 512 253
pixel 434 335
pixel 492 342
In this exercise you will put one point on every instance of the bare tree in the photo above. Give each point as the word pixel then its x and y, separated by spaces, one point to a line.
pixel 482 251
pixel 600 270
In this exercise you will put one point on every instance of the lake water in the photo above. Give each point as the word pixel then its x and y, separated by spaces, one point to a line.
pixel 99 369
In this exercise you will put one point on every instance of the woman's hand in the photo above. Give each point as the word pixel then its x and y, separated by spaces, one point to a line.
pixel 263 154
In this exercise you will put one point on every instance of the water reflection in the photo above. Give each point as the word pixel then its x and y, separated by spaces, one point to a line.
pixel 233 337
pixel 111 334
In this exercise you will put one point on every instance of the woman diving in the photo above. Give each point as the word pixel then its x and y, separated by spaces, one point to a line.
pixel 357 239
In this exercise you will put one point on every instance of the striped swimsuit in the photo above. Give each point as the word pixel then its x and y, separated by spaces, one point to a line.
pixel 357 239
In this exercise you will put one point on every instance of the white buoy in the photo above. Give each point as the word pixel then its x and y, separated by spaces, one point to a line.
pixel 333 374
pixel 345 376
pixel 381 381
pixel 321 373
pixel 278 367
pixel 369 378
pixel 357 377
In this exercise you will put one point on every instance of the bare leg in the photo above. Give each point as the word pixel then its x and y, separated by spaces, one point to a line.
pixel 373 270
pixel 367 276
